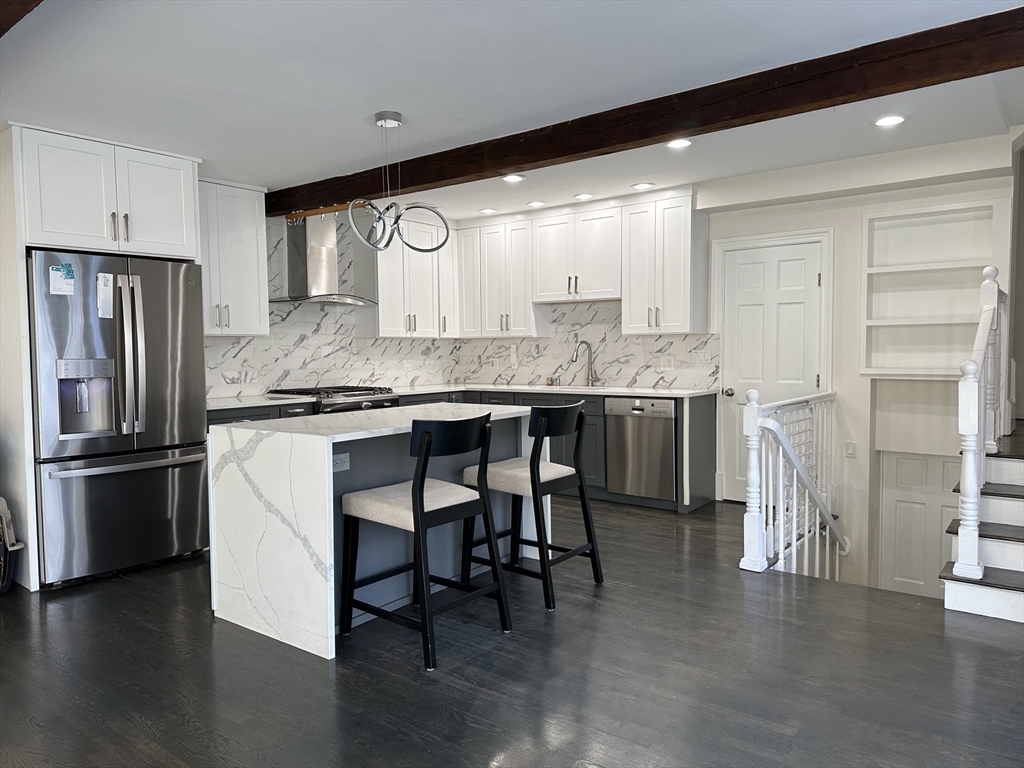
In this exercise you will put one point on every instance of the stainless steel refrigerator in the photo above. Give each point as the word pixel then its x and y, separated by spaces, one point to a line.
pixel 120 411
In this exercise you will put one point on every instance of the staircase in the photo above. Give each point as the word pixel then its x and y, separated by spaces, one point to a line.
pixel 987 577
pixel 1000 590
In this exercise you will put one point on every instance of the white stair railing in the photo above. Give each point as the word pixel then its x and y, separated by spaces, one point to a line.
pixel 788 524
pixel 982 411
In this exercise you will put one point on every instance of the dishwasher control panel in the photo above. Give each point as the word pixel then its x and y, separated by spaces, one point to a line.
pixel 630 406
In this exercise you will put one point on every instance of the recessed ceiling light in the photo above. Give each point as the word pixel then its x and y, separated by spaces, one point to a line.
pixel 583 196
pixel 535 204
pixel 512 178
pixel 889 121
pixel 678 143
pixel 643 185
pixel 488 210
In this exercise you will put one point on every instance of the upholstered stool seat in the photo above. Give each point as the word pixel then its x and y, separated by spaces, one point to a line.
pixel 513 475
pixel 391 504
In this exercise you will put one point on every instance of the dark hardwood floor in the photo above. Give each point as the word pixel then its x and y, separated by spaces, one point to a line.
pixel 679 659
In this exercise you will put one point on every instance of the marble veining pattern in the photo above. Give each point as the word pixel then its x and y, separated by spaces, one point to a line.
pixel 310 344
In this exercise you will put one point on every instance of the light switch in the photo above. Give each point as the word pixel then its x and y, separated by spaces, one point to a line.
pixel 851 449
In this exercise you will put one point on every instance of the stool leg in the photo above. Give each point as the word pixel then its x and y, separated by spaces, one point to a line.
pixel 468 531
pixel 415 572
pixel 588 524
pixel 426 610
pixel 496 570
pixel 348 571
pixel 542 551
pixel 517 530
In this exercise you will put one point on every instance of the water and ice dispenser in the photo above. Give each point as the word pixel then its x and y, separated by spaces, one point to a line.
pixel 86 398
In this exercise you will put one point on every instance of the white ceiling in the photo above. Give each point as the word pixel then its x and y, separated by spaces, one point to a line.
pixel 279 93
pixel 965 109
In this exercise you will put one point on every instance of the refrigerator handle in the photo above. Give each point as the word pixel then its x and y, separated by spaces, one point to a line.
pixel 140 342
pixel 127 394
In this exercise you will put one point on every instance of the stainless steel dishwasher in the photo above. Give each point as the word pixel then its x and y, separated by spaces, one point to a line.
pixel 641 440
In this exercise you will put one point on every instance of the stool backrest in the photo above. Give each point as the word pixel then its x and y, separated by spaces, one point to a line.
pixel 558 419
pixel 449 437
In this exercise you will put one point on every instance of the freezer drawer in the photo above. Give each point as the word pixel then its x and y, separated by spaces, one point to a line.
pixel 100 515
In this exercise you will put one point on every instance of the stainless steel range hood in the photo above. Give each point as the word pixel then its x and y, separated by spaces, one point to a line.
pixel 315 272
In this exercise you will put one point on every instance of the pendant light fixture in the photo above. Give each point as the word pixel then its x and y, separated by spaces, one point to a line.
pixel 387 221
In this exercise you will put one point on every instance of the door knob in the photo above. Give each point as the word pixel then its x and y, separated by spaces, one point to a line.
pixel 729 392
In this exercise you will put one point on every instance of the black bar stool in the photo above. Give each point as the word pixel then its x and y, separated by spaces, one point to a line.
pixel 417 506
pixel 532 477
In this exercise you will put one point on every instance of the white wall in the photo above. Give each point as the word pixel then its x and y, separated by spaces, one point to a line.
pixel 857 504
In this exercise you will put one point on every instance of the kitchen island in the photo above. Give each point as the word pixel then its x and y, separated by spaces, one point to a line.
pixel 275 513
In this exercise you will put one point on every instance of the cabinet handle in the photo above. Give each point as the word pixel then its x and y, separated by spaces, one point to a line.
pixel 657 316
pixel 568 287
pixel 508 322
pixel 414 324
pixel 501 322
pixel 113 226
pixel 126 227
pixel 408 322
pixel 294 410
pixel 444 324
pixel 227 315
pixel 577 285
pixel 216 309
pixel 649 324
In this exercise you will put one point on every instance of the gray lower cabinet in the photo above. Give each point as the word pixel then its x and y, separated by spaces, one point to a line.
pixel 466 397
pixel 430 397
pixel 497 398
pixel 258 413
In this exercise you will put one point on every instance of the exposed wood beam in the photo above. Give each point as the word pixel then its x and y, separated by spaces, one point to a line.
pixel 13 11
pixel 966 49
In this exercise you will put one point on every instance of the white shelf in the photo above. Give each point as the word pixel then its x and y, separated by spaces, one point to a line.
pixel 952 320
pixel 929 267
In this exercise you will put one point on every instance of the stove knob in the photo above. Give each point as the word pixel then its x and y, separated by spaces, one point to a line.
pixel 367 405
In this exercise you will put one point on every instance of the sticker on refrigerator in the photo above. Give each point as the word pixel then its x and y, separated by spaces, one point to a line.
pixel 105 295
pixel 62 280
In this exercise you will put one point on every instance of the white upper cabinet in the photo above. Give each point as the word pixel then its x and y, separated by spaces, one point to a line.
pixel 81 193
pixel 156 203
pixel 233 242
pixel 392 318
pixel 554 254
pixel 469 286
pixel 70 193
pixel 578 257
pixel 493 299
pixel 407 285
pixel 665 268
pixel 506 280
pixel 448 287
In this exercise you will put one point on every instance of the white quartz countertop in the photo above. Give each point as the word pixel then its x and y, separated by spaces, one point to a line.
pixel 360 425
pixel 253 401
pixel 598 391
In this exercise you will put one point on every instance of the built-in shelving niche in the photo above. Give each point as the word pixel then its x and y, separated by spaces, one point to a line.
pixel 922 274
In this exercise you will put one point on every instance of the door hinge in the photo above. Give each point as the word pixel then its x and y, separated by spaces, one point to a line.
pixel 817 381
pixel 819 279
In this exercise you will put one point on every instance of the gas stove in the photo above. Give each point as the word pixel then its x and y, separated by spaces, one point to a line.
pixel 344 398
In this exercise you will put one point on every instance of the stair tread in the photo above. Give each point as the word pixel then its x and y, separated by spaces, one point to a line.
pixel 1000 531
pixel 1004 490
pixel 1011 446
pixel 1000 578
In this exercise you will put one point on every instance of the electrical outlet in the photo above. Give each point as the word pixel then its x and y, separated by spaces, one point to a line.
pixel 409 365
pixel 666 363
pixel 701 356
pixel 341 463
pixel 851 449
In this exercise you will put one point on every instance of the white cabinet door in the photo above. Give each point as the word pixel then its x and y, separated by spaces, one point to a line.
pixel 470 286
pixel 156 203
pixel 242 253
pixel 519 317
pixel 492 279
pixel 681 267
pixel 598 262
pixel 554 258
pixel 421 284
pixel 70 192
pixel 448 287
pixel 392 319
pixel 638 240
pixel 210 258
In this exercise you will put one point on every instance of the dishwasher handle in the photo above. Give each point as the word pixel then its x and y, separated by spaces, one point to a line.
pixel 643 408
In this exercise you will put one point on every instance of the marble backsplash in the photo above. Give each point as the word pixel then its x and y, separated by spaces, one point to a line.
pixel 312 344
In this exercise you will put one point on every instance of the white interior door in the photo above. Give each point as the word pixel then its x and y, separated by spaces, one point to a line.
pixel 770 337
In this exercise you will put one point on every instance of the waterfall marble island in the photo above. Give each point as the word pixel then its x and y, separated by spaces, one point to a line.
pixel 275 513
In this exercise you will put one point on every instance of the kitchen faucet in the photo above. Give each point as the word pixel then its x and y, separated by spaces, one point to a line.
pixel 591 378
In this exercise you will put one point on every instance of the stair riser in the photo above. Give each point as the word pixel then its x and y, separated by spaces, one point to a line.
pixel 1009 471
pixel 984 601
pixel 996 509
pixel 997 553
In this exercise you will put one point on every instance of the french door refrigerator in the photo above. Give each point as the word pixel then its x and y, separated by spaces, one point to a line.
pixel 120 411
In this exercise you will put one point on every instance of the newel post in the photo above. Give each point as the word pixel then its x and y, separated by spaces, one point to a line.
pixel 967 564
pixel 990 298
pixel 753 520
